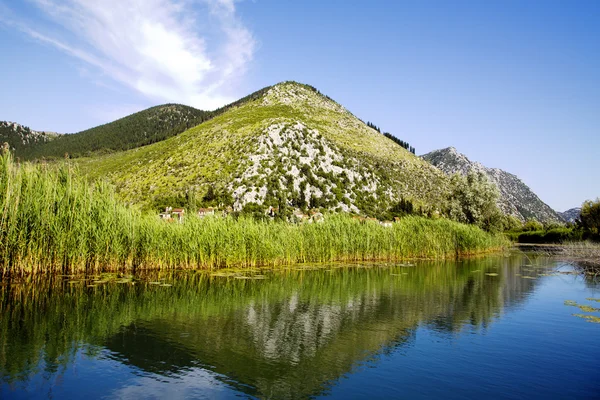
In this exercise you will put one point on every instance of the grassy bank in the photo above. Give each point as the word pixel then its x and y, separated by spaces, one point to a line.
pixel 545 236
pixel 53 221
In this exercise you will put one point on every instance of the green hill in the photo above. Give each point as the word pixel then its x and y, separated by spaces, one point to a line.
pixel 21 139
pixel 285 146
pixel 140 129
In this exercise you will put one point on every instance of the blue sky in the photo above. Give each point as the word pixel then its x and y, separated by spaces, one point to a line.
pixel 512 84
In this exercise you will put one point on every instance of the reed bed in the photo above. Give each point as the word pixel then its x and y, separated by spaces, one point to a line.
pixel 54 221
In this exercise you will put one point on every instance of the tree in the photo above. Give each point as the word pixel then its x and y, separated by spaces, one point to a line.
pixel 472 200
pixel 533 224
pixel 589 220
pixel 512 223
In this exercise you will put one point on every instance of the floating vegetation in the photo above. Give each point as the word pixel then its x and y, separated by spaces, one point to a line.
pixel 593 299
pixel 589 318
pixel 491 274
pixel 588 308
pixel 528 277
pixel 570 303
pixel 477 270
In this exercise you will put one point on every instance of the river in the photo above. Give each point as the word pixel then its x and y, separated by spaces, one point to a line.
pixel 502 326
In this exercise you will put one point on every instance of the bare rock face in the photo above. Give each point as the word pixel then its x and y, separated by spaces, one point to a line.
pixel 571 215
pixel 516 198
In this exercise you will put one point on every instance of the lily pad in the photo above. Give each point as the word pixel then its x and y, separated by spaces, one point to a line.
pixel 589 318
pixel 528 277
pixel 570 303
pixel 491 274
pixel 593 299
pixel 588 308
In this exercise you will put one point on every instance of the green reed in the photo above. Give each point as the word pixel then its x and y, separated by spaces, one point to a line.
pixel 51 220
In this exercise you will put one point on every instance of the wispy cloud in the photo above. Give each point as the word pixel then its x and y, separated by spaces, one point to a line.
pixel 186 51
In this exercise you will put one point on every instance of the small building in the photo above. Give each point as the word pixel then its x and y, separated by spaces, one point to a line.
pixel 178 213
pixel 203 212
pixel 166 214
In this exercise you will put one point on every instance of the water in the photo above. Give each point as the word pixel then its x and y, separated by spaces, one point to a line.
pixel 430 330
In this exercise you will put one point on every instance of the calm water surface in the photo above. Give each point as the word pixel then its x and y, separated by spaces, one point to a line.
pixel 495 327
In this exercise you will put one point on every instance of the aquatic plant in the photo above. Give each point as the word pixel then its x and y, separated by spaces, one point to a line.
pixel 51 220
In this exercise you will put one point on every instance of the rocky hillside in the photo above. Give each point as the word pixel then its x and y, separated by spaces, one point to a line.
pixel 288 146
pixel 21 138
pixel 516 198
pixel 571 215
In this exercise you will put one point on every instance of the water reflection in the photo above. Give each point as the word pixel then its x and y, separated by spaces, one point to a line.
pixel 287 336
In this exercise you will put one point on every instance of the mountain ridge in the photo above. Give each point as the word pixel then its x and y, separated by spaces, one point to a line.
pixel 20 138
pixel 571 215
pixel 516 198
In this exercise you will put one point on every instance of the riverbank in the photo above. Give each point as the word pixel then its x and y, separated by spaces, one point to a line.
pixel 53 221
pixel 586 255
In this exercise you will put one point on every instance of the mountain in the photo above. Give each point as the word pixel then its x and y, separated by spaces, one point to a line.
pixel 287 145
pixel 140 129
pixel 21 138
pixel 516 198
pixel 571 215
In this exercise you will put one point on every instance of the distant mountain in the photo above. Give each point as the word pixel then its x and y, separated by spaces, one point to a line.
pixel 21 138
pixel 516 198
pixel 140 129
pixel 571 215
pixel 287 146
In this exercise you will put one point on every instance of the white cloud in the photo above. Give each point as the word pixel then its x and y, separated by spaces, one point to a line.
pixel 185 51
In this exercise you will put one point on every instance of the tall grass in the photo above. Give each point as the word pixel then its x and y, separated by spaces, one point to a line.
pixel 53 221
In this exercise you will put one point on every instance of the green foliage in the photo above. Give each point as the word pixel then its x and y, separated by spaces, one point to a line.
pixel 589 220
pixel 511 223
pixel 533 225
pixel 553 235
pixel 473 199
pixel 53 221
pixel 22 139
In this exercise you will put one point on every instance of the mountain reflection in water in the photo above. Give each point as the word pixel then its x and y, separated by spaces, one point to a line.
pixel 292 335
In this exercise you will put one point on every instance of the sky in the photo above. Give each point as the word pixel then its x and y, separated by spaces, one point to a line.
pixel 512 84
